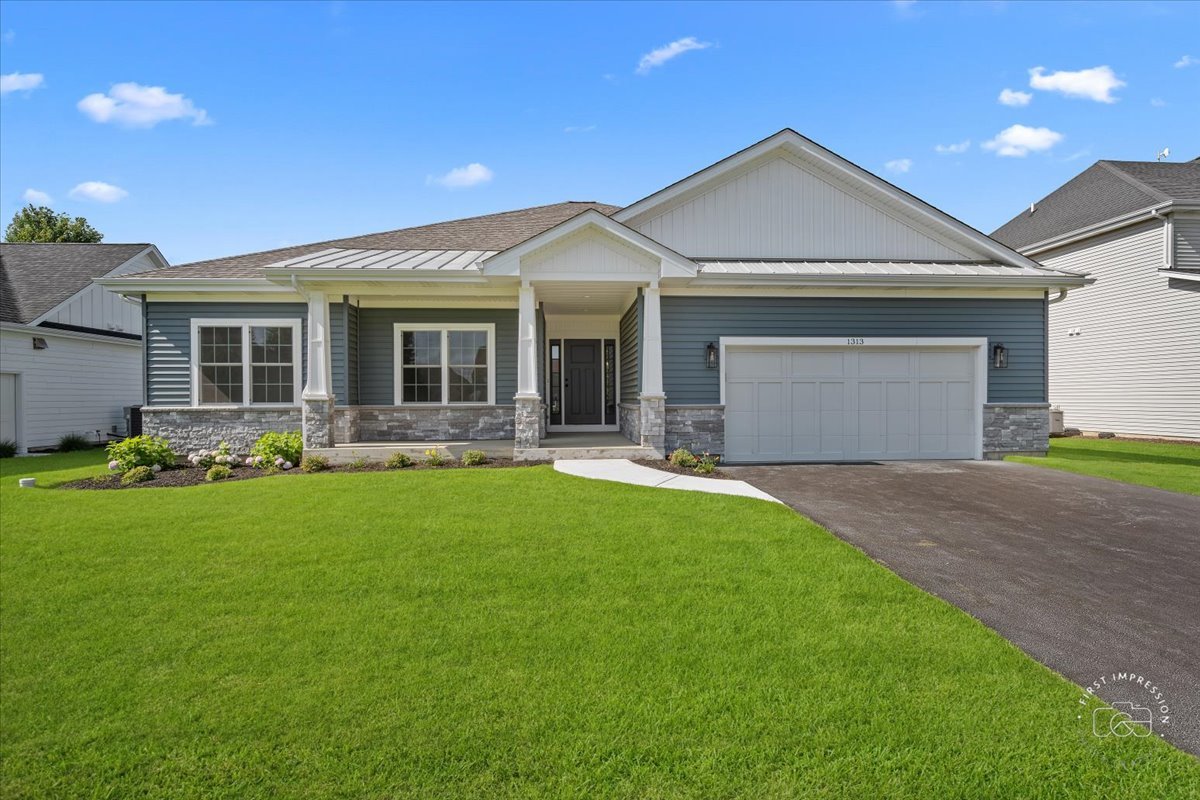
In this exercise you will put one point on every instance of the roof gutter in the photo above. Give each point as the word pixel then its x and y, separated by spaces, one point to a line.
pixel 940 281
pixel 134 285
pixel 304 275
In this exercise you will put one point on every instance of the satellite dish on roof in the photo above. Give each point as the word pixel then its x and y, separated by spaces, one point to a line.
pixel 1164 153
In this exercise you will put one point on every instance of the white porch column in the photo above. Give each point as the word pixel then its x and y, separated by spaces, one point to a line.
pixel 527 344
pixel 528 422
pixel 317 397
pixel 653 427
pixel 652 382
pixel 320 376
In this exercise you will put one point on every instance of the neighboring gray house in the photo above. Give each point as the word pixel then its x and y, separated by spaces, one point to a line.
pixel 1125 354
pixel 780 305
pixel 70 352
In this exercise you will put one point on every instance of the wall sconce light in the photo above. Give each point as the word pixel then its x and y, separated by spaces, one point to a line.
pixel 999 356
pixel 710 355
pixel 39 343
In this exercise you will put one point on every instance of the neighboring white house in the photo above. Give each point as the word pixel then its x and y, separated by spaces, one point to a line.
pixel 1125 353
pixel 70 352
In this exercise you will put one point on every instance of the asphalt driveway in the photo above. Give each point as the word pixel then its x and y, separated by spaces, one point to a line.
pixel 1088 576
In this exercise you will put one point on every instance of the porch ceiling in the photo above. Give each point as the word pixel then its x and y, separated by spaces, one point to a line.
pixel 573 297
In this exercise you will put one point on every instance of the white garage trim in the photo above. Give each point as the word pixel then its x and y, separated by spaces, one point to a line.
pixel 978 343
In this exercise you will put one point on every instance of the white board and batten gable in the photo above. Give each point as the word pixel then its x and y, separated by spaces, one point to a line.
pixel 93 306
pixel 590 247
pixel 789 198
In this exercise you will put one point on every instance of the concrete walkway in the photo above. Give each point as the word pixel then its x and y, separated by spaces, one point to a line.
pixel 622 470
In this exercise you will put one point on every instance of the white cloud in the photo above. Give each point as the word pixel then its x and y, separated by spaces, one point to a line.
pixel 1158 102
pixel 959 147
pixel 661 55
pixel 98 191
pixel 1096 83
pixel 579 129
pixel 1009 97
pixel 905 8
pixel 135 106
pixel 1186 61
pixel 20 82
pixel 899 165
pixel 37 197
pixel 462 177
pixel 1019 141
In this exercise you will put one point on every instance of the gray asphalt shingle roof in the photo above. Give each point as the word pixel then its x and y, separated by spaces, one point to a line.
pixel 34 278
pixel 1104 191
pixel 491 232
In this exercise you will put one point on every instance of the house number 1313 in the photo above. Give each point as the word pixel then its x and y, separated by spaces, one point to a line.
pixel 854 340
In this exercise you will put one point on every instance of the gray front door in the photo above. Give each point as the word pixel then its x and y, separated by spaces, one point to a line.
pixel 582 382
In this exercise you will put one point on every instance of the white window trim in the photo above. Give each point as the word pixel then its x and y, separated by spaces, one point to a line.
pixel 247 389
pixel 979 344
pixel 398 330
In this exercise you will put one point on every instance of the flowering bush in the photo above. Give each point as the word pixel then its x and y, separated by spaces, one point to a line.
pixel 706 464
pixel 682 458
pixel 207 458
pixel 137 475
pixel 275 450
pixel 217 472
pixel 398 461
pixel 140 451
pixel 435 457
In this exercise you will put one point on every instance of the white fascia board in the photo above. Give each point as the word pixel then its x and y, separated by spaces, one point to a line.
pixel 508 262
pixel 789 139
pixel 1051 280
pixel 142 285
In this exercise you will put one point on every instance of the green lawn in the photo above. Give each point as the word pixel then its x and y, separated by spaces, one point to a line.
pixel 500 633
pixel 1175 467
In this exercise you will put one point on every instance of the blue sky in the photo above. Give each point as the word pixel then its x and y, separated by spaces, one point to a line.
pixel 280 123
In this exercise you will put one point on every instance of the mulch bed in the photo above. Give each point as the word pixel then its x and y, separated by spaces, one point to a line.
pixel 666 466
pixel 192 476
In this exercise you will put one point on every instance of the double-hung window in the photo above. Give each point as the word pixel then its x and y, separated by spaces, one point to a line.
pixel 445 364
pixel 245 362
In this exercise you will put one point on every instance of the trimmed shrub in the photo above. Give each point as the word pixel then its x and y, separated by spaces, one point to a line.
pixel 398 461
pixel 70 442
pixel 682 458
pixel 217 472
pixel 472 458
pixel 357 464
pixel 277 449
pixel 8 448
pixel 137 475
pixel 141 451
pixel 314 464
pixel 435 457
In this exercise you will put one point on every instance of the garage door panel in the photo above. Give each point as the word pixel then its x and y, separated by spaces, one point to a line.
pixel 850 404
pixel 817 364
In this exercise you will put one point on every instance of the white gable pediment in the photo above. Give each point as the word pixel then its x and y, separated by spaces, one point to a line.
pixel 590 246
pixel 589 251
pixel 789 198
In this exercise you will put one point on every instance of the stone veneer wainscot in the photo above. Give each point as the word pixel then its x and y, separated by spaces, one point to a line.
pixel 189 429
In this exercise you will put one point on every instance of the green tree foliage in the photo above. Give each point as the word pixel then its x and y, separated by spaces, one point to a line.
pixel 40 224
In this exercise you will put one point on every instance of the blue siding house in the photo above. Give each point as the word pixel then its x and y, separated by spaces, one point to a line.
pixel 780 305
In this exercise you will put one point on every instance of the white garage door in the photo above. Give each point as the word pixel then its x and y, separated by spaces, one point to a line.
pixel 850 404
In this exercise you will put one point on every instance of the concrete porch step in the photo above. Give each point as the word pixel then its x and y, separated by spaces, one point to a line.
pixel 629 451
